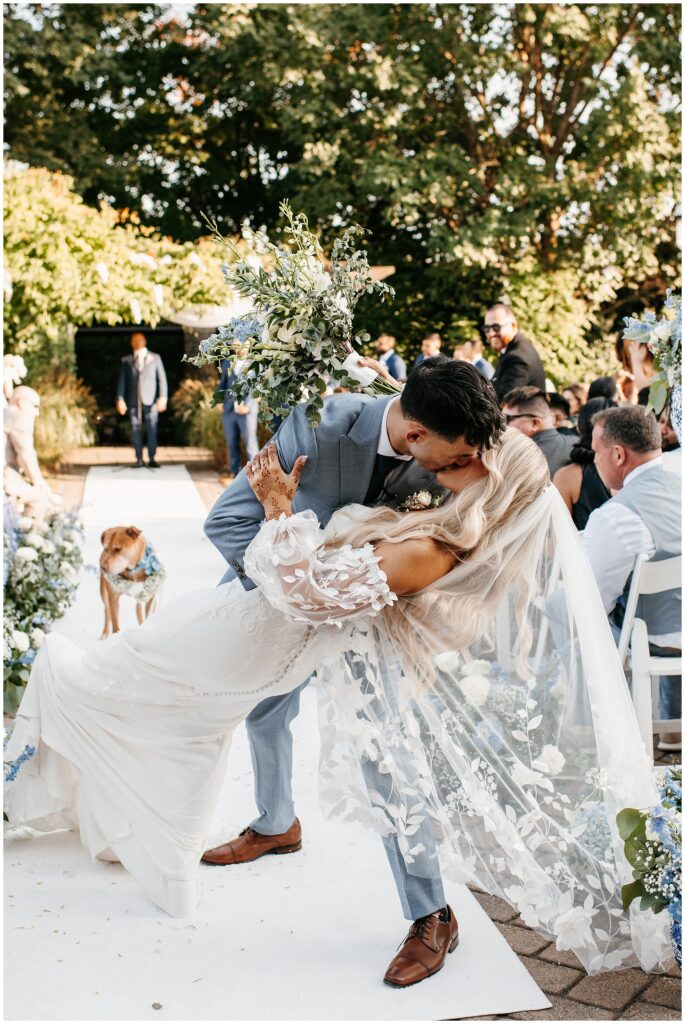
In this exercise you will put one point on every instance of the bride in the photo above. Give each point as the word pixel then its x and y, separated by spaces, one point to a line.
pixel 462 650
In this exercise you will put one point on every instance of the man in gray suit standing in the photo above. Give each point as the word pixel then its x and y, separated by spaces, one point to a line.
pixel 142 390
pixel 446 415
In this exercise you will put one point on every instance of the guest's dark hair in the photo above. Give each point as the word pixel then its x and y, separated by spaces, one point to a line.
pixel 631 427
pixel 557 401
pixel 453 399
pixel 582 453
pixel 603 387
pixel 529 399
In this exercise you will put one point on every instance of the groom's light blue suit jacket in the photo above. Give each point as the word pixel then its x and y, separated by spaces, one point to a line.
pixel 341 458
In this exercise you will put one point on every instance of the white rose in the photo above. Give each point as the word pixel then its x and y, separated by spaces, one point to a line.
pixel 475 689
pixel 66 569
pixel 574 928
pixel 20 640
pixel 48 547
pixel 477 668
pixel 25 554
pixel 448 661
pixel 37 637
pixel 551 760
pixel 25 523
pixel 34 539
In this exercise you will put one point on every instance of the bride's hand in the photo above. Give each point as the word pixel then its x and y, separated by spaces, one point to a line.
pixel 273 487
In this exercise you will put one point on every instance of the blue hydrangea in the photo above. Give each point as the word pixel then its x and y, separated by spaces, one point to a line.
pixel 244 327
pixel 11 768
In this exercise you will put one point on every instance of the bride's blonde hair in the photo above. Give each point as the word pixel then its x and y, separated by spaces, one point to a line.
pixel 496 545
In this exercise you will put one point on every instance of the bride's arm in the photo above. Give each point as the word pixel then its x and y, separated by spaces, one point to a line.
pixel 312 583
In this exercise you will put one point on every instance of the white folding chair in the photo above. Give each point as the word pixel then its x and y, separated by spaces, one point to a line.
pixel 644 670
pixel 649 578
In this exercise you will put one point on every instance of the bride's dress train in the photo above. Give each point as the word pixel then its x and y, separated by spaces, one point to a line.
pixel 510 738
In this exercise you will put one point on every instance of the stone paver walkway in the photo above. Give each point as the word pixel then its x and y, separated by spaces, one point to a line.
pixel 619 995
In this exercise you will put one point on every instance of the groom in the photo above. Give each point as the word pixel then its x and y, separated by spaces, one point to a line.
pixel 363 450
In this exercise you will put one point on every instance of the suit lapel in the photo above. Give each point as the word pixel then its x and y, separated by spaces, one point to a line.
pixel 358 450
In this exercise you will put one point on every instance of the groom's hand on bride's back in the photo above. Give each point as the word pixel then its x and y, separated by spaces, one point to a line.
pixel 272 486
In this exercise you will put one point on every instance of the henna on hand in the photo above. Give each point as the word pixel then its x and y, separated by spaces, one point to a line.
pixel 272 486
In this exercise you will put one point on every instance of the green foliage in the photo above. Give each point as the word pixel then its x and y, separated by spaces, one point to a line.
pixel 69 264
pixel 67 416
pixel 192 404
pixel 483 145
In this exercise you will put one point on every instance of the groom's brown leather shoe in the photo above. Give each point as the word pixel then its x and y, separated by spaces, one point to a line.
pixel 424 950
pixel 250 845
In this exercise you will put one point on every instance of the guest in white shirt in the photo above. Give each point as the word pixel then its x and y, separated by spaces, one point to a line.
pixel 643 516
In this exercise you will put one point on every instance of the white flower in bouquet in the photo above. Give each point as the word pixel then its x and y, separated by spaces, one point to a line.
pixel 448 661
pixel 477 668
pixel 20 641
pixel 34 539
pixel 475 689
pixel 67 570
pixel 26 554
pixel 25 522
pixel 49 548
pixel 574 928
pixel 663 337
pixel 551 760
pixel 37 637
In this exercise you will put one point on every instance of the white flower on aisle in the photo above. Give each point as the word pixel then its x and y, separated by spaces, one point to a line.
pixel 475 689
pixel 26 554
pixel 20 641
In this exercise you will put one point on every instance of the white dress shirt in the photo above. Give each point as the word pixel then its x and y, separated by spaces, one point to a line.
pixel 613 538
pixel 140 356
pixel 384 446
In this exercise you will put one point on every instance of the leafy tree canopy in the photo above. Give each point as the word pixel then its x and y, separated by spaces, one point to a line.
pixel 524 150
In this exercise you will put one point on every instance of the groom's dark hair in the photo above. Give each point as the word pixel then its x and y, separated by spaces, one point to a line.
pixel 453 399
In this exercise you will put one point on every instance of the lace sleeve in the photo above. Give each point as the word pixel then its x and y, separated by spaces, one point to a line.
pixel 289 563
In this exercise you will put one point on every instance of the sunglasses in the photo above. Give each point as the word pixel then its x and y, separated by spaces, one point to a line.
pixel 494 327
pixel 518 416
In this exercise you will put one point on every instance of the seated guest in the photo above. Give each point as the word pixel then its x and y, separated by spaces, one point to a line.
pixel 643 516
pixel 519 364
pixel 430 346
pixel 561 411
pixel 579 483
pixel 472 352
pixel 604 387
pixel 528 410
pixel 576 396
pixel 385 353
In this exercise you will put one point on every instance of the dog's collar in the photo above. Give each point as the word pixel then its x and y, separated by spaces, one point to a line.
pixel 149 563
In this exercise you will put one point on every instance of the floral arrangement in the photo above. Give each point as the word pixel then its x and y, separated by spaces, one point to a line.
pixel 300 333
pixel 653 848
pixel 42 559
pixel 663 337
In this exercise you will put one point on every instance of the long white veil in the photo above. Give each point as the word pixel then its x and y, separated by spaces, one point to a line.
pixel 487 722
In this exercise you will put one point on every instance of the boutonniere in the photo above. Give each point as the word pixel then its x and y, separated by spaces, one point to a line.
pixel 420 501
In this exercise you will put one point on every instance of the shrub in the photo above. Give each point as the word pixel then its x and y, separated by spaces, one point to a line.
pixel 67 415
pixel 201 423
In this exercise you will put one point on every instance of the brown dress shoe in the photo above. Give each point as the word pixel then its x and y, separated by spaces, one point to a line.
pixel 424 950
pixel 251 845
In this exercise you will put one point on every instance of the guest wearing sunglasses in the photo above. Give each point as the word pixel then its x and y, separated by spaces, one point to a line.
pixel 528 410
pixel 519 364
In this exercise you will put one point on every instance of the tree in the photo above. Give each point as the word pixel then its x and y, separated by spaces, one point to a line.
pixel 69 264
pixel 520 149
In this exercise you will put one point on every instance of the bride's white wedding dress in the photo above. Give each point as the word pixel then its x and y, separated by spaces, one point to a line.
pixel 489 709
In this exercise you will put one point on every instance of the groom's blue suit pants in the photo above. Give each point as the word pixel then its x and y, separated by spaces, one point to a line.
pixel 271 747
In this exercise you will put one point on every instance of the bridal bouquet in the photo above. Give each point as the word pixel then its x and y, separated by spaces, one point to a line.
pixel 300 333
pixel 653 847
pixel 663 338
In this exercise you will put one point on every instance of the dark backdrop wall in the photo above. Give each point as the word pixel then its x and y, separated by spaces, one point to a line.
pixel 99 351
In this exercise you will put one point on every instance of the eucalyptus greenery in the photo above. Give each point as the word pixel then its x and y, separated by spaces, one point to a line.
pixel 300 334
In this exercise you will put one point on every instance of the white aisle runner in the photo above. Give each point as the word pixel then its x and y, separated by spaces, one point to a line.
pixel 300 937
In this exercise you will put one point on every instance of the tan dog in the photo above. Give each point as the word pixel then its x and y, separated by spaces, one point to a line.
pixel 123 550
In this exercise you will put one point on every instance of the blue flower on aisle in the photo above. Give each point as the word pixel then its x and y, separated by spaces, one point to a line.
pixel 11 768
